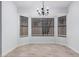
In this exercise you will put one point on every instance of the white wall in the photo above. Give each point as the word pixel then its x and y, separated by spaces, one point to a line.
pixel 9 26
pixel 73 26
pixel 10 30
pixel 49 39
pixel 40 39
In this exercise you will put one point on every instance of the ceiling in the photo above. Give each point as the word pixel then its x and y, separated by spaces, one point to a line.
pixel 31 6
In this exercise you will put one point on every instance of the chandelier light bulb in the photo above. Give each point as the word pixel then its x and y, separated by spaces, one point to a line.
pixel 43 11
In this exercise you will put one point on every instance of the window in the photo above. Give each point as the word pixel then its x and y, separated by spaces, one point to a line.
pixel 62 26
pixel 42 26
pixel 23 26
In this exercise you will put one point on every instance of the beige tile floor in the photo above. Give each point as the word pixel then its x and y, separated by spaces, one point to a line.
pixel 42 50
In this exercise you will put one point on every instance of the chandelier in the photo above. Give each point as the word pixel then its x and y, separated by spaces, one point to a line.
pixel 43 11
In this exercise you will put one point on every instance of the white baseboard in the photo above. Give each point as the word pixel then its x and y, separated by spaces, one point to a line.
pixel 59 44
pixel 4 54
pixel 62 44
pixel 21 45
pixel 73 49
pixel 41 42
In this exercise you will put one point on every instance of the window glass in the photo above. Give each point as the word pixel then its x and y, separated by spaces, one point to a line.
pixel 62 26
pixel 43 26
pixel 23 26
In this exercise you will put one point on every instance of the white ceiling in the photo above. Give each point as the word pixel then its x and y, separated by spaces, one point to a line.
pixel 31 6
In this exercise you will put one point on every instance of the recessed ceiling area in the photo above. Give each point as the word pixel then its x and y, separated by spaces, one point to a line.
pixel 55 7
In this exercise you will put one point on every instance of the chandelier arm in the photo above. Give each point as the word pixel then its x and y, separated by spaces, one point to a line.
pixel 43 12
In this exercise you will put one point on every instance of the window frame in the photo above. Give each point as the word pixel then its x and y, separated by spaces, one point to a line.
pixel 52 27
pixel 22 25
pixel 62 25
